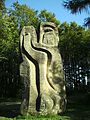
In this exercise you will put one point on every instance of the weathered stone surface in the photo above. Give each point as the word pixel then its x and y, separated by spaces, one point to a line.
pixel 42 71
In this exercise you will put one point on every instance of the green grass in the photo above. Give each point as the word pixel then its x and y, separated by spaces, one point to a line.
pixel 78 108
pixel 55 117
pixel 39 117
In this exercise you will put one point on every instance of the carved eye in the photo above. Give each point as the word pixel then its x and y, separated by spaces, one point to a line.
pixel 47 30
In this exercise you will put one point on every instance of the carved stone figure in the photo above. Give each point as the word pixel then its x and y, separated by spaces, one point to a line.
pixel 42 71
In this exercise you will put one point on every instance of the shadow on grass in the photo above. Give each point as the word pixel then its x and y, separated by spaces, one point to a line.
pixel 78 107
pixel 9 109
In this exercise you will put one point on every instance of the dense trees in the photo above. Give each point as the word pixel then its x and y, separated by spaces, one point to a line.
pixel 78 6
pixel 75 49
pixel 74 46
pixel 46 16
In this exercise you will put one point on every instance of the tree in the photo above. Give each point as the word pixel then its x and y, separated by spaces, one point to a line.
pixel 78 6
pixel 74 47
pixel 2 4
pixel 8 55
pixel 23 15
pixel 46 16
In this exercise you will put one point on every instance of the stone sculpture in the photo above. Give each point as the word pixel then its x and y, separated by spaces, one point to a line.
pixel 42 71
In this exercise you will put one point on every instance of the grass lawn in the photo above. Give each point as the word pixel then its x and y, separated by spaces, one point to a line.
pixel 78 108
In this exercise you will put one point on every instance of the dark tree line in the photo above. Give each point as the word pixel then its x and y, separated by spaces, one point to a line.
pixel 75 50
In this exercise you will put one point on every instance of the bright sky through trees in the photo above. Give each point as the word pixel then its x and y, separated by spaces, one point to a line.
pixel 54 6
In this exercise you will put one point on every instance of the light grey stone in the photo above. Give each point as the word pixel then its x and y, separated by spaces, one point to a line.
pixel 42 71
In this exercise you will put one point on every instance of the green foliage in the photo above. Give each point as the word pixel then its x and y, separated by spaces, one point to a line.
pixel 74 42
pixel 8 37
pixel 40 117
pixel 71 40
pixel 78 6
pixel 23 15
pixel 74 47
pixel 46 16
pixel 2 4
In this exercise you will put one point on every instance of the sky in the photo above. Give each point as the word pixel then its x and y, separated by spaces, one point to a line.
pixel 54 6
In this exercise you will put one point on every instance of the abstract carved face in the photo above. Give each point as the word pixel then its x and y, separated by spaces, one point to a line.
pixel 49 35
